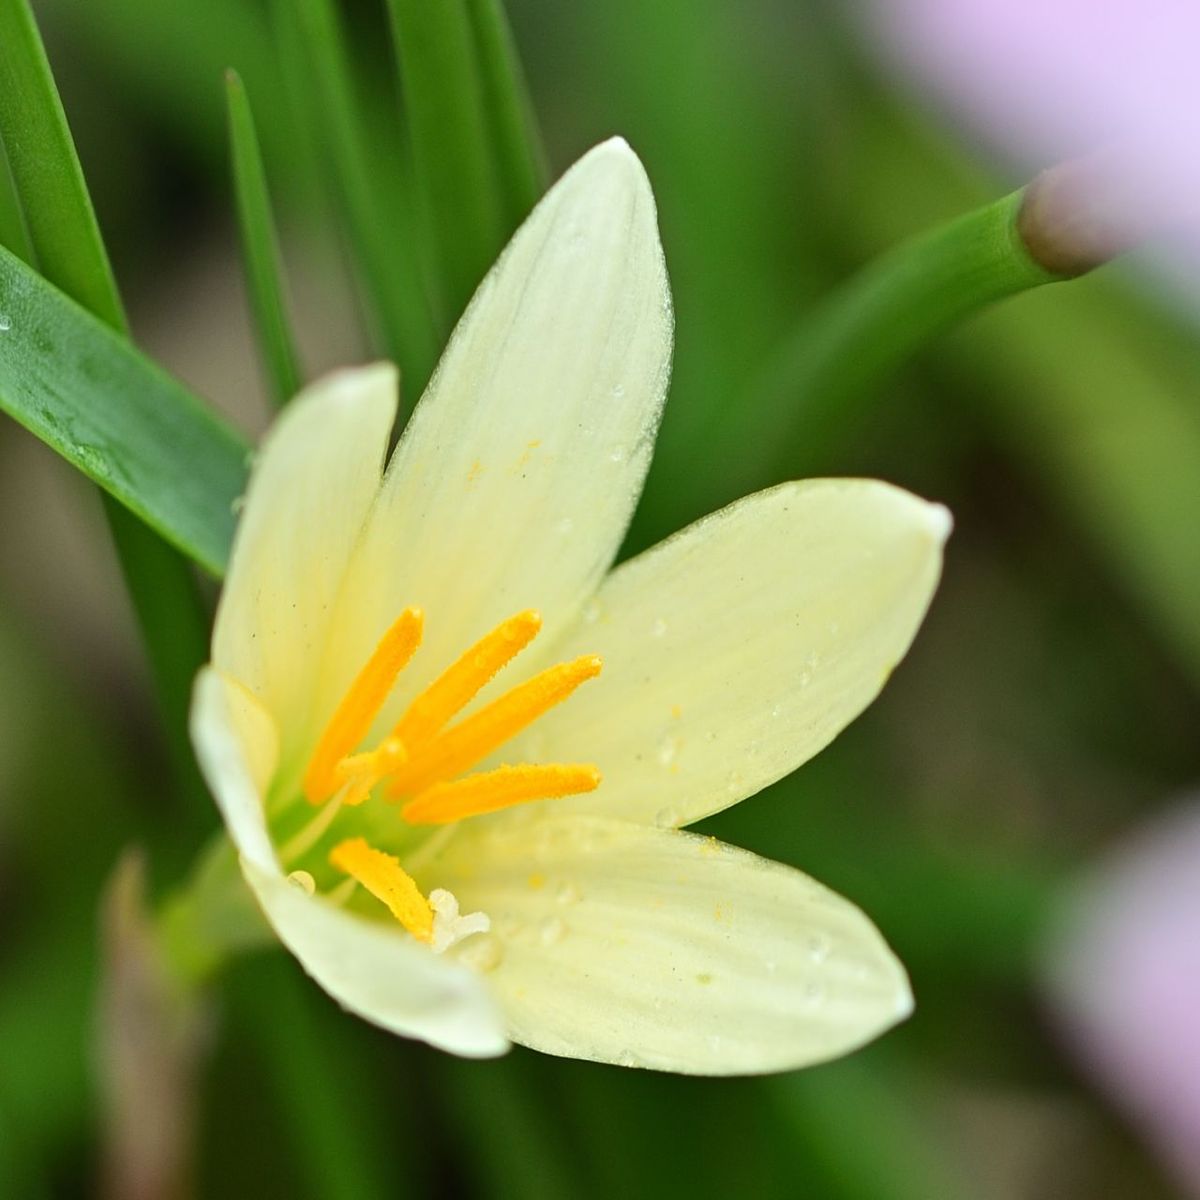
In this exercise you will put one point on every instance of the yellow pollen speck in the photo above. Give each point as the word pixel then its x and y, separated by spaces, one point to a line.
pixel 383 876
pixel 475 472
pixel 537 881
pixel 676 711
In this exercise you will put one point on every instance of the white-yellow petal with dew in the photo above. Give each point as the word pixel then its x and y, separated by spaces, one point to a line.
pixel 737 649
pixel 313 482
pixel 515 481
pixel 657 948
pixel 371 967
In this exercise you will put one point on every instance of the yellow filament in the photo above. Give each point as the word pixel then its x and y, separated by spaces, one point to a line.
pixel 464 744
pixel 359 773
pixel 353 717
pixel 383 876
pixel 459 683
pixel 501 788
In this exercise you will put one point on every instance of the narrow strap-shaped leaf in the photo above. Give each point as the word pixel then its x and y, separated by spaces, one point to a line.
pixel 64 238
pixel 13 233
pixel 455 173
pixel 260 246
pixel 521 169
pixel 45 168
pixel 91 396
pixel 384 250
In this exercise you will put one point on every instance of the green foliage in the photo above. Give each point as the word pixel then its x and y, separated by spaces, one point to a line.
pixel 126 424
pixel 260 246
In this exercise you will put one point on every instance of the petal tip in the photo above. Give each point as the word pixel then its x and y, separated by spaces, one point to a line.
pixel 619 159
pixel 940 522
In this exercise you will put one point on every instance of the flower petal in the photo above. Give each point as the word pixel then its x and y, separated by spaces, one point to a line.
pixel 656 948
pixel 516 479
pixel 737 649
pixel 371 968
pixel 314 480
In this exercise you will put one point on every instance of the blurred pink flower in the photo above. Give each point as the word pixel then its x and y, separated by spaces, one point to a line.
pixel 1124 976
pixel 1053 79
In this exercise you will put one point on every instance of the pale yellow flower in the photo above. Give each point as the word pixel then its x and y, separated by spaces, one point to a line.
pixel 370 817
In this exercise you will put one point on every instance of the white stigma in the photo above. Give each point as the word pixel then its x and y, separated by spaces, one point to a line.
pixel 448 927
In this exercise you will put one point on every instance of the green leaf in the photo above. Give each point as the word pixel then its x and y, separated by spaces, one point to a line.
pixel 380 236
pixel 12 220
pixel 45 169
pixel 65 241
pixel 455 173
pixel 122 420
pixel 522 172
pixel 260 246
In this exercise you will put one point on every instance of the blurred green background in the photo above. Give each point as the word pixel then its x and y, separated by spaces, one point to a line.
pixel 1050 702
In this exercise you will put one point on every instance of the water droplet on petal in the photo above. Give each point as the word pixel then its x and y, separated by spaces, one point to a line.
pixel 5 322
pixel 567 893
pixel 592 612
pixel 482 953
pixel 659 628
pixel 666 818
pixel 818 948
pixel 509 927
pixel 304 881
pixel 552 930
pixel 564 525
pixel 668 749
pixel 618 390
pixel 814 995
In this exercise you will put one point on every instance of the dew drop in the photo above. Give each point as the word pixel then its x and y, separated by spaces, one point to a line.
pixel 564 525
pixel 567 893
pixel 666 818
pixel 627 1058
pixel 304 881
pixel 510 927
pixel 818 948
pixel 592 612
pixel 618 390
pixel 814 995
pixel 668 750
pixel 552 931
pixel 776 711
pixel 237 504
pixel 659 628
pixel 482 953
pixel 617 454
pixel 5 322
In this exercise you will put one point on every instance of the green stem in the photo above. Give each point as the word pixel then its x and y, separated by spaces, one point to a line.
pixel 826 374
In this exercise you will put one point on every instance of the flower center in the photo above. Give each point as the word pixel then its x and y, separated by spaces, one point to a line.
pixel 421 761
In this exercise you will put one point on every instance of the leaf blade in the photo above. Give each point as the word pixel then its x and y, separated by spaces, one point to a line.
pixel 123 421
pixel 260 246
pixel 455 174
pixel 521 164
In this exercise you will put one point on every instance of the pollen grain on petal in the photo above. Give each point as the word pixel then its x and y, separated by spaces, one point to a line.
pixel 461 682
pixel 353 717
pixel 383 876
pixel 504 787
pixel 465 744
